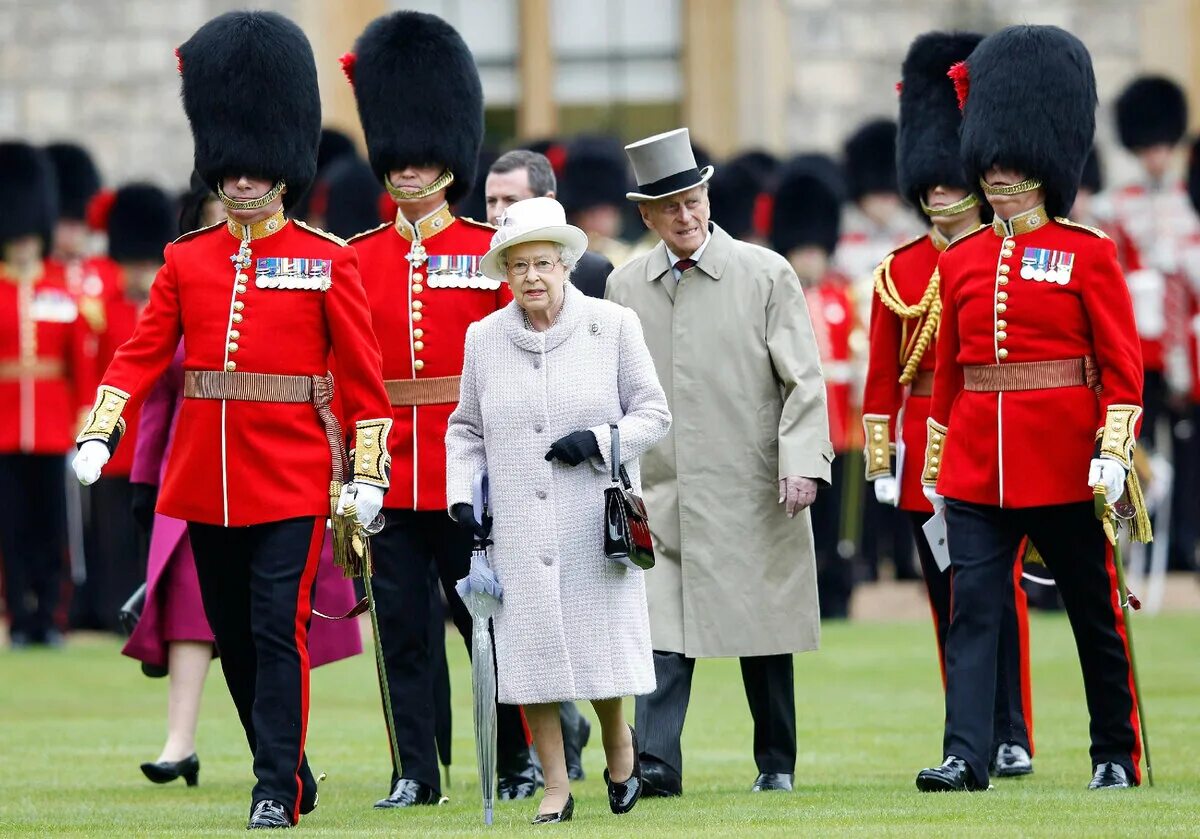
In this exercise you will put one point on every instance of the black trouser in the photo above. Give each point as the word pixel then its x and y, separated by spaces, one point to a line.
pixel 115 548
pixel 403 551
pixel 33 540
pixel 770 691
pixel 1183 427
pixel 1013 721
pixel 983 540
pixel 885 533
pixel 257 584
pixel 835 573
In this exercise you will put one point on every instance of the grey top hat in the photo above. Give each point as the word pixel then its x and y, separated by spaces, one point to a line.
pixel 664 165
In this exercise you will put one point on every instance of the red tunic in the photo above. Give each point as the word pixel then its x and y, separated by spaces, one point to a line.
pixel 421 311
pixel 46 373
pixel 833 321
pixel 1029 448
pixel 241 463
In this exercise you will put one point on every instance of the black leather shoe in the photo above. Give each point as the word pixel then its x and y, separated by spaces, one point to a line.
pixel 623 795
pixel 308 796
pixel 952 776
pixel 166 771
pixel 658 779
pixel 563 815
pixel 573 748
pixel 517 783
pixel 773 782
pixel 1011 761
pixel 1110 776
pixel 268 815
pixel 409 793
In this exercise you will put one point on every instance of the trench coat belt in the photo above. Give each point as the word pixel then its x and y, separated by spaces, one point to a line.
pixel 273 387
pixel 50 368
pixel 432 391
pixel 923 384
pixel 1032 375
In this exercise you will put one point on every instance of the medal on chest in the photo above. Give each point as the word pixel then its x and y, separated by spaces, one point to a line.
pixel 1046 266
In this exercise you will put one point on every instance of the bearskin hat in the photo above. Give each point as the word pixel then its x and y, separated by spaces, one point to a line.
pixel 1030 105
pixel 1193 175
pixel 191 204
pixel 419 97
pixel 927 151
pixel 1150 111
pixel 250 94
pixel 28 193
pixel 808 204
pixel 141 222
pixel 870 159
pixel 733 194
pixel 595 173
pixel 1093 178
pixel 77 176
pixel 351 196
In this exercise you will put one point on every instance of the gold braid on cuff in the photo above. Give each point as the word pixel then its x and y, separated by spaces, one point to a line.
pixel 241 205
pixel 372 463
pixel 1118 437
pixel 443 180
pixel 1027 185
pixel 957 208
pixel 935 445
pixel 877 433
pixel 104 422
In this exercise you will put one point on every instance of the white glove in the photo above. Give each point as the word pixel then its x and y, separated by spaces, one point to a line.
pixel 1109 473
pixel 368 501
pixel 887 491
pixel 934 497
pixel 89 460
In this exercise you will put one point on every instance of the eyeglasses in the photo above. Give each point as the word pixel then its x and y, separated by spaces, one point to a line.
pixel 542 266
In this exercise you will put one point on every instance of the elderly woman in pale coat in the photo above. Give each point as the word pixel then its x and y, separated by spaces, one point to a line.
pixel 542 380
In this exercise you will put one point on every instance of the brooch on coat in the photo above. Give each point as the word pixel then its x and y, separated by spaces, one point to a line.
pixel 293 273
pixel 1042 265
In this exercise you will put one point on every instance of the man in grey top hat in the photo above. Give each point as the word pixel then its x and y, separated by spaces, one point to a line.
pixel 728 488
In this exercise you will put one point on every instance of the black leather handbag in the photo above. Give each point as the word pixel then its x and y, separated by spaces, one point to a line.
pixel 131 612
pixel 627 537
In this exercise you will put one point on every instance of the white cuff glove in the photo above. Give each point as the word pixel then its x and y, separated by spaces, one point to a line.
pixel 887 491
pixel 89 460
pixel 1111 475
pixel 368 500
pixel 934 498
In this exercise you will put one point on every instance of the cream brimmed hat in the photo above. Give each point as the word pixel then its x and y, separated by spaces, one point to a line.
pixel 664 165
pixel 531 220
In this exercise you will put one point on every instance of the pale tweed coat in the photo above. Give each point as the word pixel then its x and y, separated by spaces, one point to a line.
pixel 573 624
pixel 736 355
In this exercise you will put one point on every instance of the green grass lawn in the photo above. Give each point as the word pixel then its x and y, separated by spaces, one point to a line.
pixel 75 724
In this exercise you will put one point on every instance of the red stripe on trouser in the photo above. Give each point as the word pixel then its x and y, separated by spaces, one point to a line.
pixel 1021 605
pixel 937 632
pixel 1119 622
pixel 303 615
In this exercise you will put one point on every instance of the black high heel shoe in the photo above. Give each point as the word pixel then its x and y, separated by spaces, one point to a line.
pixel 563 815
pixel 623 795
pixel 166 771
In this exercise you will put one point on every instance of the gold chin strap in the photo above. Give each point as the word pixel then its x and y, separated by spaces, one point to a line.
pixel 957 208
pixel 1027 185
pixel 441 182
pixel 242 205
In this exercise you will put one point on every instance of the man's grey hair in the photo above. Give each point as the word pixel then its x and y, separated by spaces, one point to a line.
pixel 569 257
pixel 541 173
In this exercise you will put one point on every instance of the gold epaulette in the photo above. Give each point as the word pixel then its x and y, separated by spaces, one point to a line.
pixel 366 233
pixel 1095 231
pixel 482 224
pixel 968 235
pixel 193 233
pixel 324 234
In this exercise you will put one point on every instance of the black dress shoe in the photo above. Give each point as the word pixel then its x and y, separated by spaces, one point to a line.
pixel 1011 761
pixel 409 793
pixel 517 783
pixel 563 815
pixel 658 779
pixel 1110 776
pixel 952 776
pixel 623 795
pixel 308 796
pixel 268 815
pixel 573 748
pixel 773 782
pixel 166 771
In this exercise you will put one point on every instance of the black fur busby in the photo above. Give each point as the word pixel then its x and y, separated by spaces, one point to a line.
pixel 1193 175
pixel 870 159
pixel 77 176
pixel 808 204
pixel 1030 106
pixel 250 94
pixel 351 196
pixel 733 193
pixel 141 222
pixel 28 194
pixel 1093 178
pixel 1150 111
pixel 191 204
pixel 333 145
pixel 927 151
pixel 595 173
pixel 419 97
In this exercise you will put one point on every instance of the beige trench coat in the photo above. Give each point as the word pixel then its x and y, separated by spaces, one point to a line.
pixel 736 356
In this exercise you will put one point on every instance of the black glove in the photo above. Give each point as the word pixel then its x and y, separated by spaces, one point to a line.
pixel 575 448
pixel 143 499
pixel 464 514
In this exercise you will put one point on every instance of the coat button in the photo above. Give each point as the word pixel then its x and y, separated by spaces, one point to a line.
pixel 548 561
pixel 230 366
pixel 541 494
pixel 239 288
pixel 1002 296
pixel 417 277
pixel 1002 280
pixel 1001 307
pixel 237 318
pixel 418 288
pixel 418 345
pixel 417 305
pixel 1002 324
pixel 416 315
pixel 419 364
pixel 537 428
pixel 232 346
pixel 1001 335
pixel 234 335
pixel 537 363
pixel 1003 353
pixel 1004 269
pixel 238 306
pixel 418 333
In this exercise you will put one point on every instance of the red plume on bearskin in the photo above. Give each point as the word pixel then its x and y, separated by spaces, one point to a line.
pixel 178 62
pixel 764 211
pixel 960 74
pixel 99 208
pixel 899 88
pixel 347 62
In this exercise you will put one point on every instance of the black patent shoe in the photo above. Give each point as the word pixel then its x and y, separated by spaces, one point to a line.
pixel 563 815
pixel 409 793
pixel 518 784
pixel 1110 776
pixel 268 815
pixel 773 782
pixel 952 776
pixel 658 779
pixel 1011 761
pixel 623 795
pixel 166 771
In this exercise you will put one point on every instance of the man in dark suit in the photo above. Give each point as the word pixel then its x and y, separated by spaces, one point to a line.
pixel 521 174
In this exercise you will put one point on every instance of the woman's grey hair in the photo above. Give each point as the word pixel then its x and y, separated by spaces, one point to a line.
pixel 569 257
